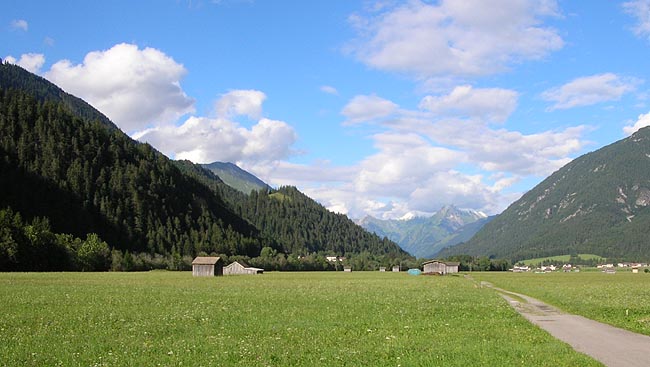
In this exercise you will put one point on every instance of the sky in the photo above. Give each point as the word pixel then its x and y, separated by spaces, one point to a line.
pixel 382 108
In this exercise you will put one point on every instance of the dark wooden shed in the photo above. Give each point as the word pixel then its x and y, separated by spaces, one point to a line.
pixel 204 266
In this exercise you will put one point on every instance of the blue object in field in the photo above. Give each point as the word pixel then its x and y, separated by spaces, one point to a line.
pixel 414 272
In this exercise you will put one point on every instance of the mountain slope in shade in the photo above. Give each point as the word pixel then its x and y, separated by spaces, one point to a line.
pixel 236 177
pixel 599 203
pixel 424 237
pixel 85 175
pixel 15 77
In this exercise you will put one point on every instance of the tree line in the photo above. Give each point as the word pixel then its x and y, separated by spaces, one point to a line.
pixel 32 246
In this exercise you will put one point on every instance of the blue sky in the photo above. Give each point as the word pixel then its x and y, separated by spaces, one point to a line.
pixel 386 108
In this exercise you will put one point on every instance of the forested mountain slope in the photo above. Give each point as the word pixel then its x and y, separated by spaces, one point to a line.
pixel 599 203
pixel 68 165
pixel 297 223
pixel 14 77
pixel 86 177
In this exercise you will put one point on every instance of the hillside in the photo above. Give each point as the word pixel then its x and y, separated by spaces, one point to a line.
pixel 14 77
pixel 599 203
pixel 85 176
pixel 298 224
pixel 425 236
pixel 236 177
pixel 82 175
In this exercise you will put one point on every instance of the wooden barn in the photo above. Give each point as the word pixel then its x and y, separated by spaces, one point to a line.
pixel 207 266
pixel 440 267
pixel 238 267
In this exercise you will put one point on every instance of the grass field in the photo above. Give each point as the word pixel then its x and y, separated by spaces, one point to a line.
pixel 276 319
pixel 621 299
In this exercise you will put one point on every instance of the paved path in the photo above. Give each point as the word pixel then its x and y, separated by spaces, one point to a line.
pixel 610 345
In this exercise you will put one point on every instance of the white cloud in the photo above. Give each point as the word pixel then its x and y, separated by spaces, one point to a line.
pixel 425 160
pixel 402 163
pixel 366 108
pixel 462 38
pixel 282 173
pixel 445 187
pixel 490 104
pixel 438 189
pixel 241 103
pixel 642 121
pixel 589 90
pixel 205 140
pixel 420 166
pixel 329 90
pixel 640 9
pixel 509 151
pixel 134 88
pixel 31 62
pixel 20 24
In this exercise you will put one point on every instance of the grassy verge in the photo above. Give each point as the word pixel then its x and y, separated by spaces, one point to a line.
pixel 276 319
pixel 621 299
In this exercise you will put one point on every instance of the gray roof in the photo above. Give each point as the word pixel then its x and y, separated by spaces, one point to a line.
pixel 241 263
pixel 449 263
pixel 205 260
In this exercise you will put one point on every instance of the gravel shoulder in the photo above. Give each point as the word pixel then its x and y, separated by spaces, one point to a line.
pixel 610 345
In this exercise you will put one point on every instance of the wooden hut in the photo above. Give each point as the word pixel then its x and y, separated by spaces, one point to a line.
pixel 440 267
pixel 239 267
pixel 207 266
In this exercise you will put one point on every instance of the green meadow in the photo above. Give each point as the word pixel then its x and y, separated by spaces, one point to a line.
pixel 621 299
pixel 275 319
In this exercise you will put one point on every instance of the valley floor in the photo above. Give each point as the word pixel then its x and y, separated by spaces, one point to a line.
pixel 274 319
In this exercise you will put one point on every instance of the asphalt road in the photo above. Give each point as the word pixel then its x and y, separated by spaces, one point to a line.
pixel 610 345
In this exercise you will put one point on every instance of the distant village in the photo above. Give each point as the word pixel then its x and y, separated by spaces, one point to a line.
pixel 567 268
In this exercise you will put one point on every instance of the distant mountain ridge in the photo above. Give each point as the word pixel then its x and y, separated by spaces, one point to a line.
pixel 425 237
pixel 599 203
pixel 236 177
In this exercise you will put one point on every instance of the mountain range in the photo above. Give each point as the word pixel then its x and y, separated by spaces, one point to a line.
pixel 64 162
pixel 424 237
pixel 598 203
pixel 68 168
